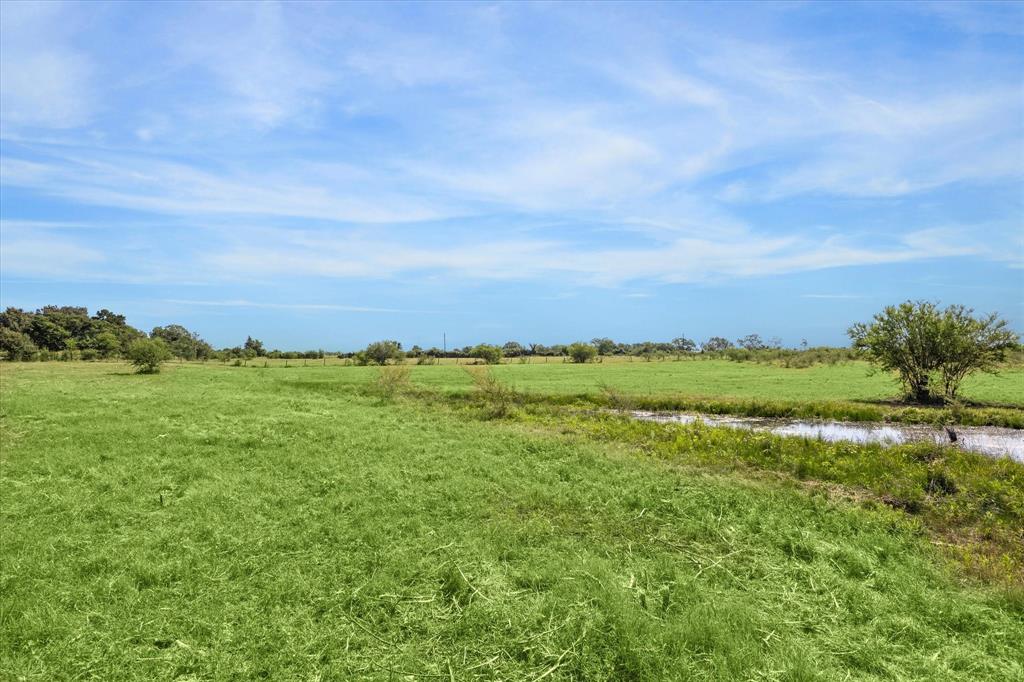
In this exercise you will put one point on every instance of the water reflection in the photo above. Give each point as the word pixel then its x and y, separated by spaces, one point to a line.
pixel 986 440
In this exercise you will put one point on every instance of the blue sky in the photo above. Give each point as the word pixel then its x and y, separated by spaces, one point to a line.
pixel 323 175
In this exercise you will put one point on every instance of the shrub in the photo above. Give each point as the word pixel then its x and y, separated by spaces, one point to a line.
pixel 106 344
pixel 581 352
pixel 491 355
pixel 499 397
pixel 89 354
pixel 17 345
pixel 379 352
pixel 147 355
pixel 923 344
pixel 392 380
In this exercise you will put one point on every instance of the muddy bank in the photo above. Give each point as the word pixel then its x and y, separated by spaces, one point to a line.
pixel 986 440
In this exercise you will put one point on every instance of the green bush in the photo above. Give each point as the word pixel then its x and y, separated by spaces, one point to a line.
pixel 147 355
pixel 491 355
pixel 379 352
pixel 392 380
pixel 580 352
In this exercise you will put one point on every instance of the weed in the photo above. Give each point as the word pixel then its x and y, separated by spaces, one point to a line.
pixel 499 399
pixel 392 380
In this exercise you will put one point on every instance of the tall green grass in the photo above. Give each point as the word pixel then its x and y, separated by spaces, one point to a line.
pixel 249 523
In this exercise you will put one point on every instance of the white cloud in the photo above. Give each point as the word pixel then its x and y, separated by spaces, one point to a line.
pixel 47 258
pixel 332 192
pixel 242 303
pixel 44 80
pixel 681 260
pixel 257 60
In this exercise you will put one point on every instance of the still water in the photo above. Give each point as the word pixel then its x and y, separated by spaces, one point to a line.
pixel 986 440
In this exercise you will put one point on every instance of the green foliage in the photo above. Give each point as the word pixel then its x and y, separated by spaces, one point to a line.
pixel 146 355
pixel 498 397
pixel 379 352
pixel 751 342
pixel 513 349
pixel 976 499
pixel 183 343
pixel 682 344
pixel 491 355
pixel 16 345
pixel 64 328
pixel 580 352
pixel 392 380
pixel 47 334
pixel 254 346
pixel 716 344
pixel 925 345
pixel 106 344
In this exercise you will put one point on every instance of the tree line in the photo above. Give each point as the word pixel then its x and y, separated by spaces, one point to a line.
pixel 930 349
pixel 70 332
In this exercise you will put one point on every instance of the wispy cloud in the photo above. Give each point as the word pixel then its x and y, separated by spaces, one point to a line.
pixel 241 303
pixel 47 81
pixel 673 144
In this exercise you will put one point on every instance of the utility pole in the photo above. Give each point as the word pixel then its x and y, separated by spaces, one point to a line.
pixel 444 342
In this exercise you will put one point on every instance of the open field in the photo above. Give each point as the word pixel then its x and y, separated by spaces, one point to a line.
pixel 850 381
pixel 216 522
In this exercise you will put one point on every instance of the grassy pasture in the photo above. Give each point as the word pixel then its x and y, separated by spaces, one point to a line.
pixel 851 381
pixel 215 522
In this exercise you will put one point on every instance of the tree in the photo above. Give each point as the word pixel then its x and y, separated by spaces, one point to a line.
pixel 106 344
pixel 513 349
pixel 379 352
pixel 114 319
pixel 15 319
pixel 924 344
pixel 970 344
pixel 751 342
pixel 486 352
pixel 182 342
pixel 255 345
pixel 47 334
pixel 683 345
pixel 17 345
pixel 581 352
pixel 147 354
pixel 716 344
pixel 604 346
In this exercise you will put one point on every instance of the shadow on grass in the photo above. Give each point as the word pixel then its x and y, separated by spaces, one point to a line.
pixel 965 402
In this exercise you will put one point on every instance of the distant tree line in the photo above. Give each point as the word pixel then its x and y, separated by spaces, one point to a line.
pixel 930 349
pixel 750 348
pixel 71 333
pixel 54 332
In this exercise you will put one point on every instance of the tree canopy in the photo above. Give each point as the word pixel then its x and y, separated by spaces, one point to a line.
pixel 933 350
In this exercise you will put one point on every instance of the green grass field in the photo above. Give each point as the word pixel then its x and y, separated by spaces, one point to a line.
pixel 851 381
pixel 216 522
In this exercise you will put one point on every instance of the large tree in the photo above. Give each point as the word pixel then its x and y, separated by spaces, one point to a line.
pixel 925 345
pixel 183 343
